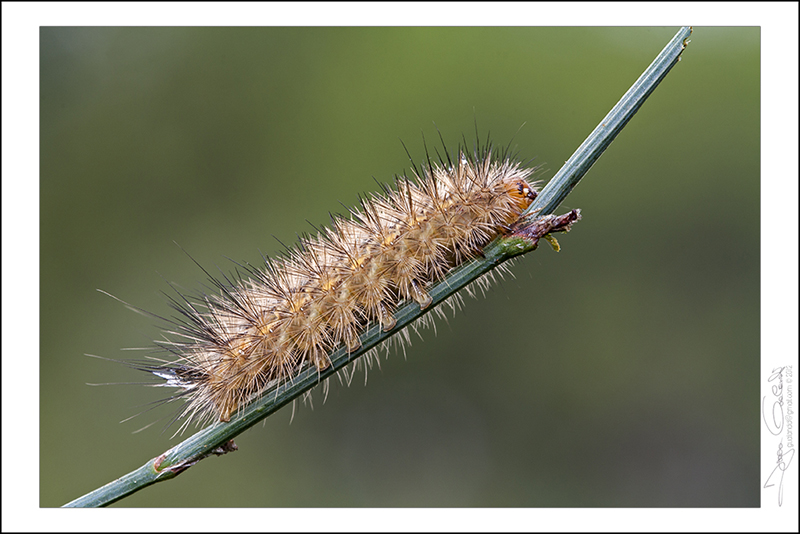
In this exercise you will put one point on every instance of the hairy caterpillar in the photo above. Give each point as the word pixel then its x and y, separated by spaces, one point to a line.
pixel 267 324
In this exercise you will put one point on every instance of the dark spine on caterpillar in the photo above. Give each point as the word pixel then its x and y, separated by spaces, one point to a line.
pixel 266 324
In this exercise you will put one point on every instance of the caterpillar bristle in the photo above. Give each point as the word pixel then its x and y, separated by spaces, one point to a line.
pixel 259 326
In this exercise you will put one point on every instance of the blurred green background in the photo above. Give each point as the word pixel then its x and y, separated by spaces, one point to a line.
pixel 620 372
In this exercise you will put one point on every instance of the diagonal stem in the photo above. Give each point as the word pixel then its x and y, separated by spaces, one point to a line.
pixel 217 439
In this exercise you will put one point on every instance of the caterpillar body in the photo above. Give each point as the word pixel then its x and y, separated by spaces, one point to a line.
pixel 266 324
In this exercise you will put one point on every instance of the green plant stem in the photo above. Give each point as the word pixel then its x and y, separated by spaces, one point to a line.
pixel 216 439
pixel 604 133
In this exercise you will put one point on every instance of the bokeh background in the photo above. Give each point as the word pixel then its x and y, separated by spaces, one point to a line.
pixel 622 371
